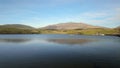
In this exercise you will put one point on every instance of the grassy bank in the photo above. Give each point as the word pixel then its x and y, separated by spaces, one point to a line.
pixel 18 31
pixel 82 32
pixel 46 31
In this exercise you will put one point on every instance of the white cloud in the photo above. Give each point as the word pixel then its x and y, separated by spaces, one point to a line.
pixel 107 18
pixel 93 14
pixel 115 17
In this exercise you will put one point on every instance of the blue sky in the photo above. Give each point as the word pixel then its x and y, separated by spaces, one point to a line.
pixel 39 13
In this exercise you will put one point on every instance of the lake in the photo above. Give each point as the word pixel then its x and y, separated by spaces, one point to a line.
pixel 59 51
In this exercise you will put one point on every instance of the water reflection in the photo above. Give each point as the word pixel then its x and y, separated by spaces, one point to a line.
pixel 71 41
pixel 68 41
pixel 15 40
pixel 48 51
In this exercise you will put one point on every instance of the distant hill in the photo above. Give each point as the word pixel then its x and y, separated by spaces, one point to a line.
pixel 18 26
pixel 70 25
pixel 117 27
pixel 17 29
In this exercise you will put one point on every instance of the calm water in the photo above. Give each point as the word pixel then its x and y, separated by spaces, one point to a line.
pixel 59 51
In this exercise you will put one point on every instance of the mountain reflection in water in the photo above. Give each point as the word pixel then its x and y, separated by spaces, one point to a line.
pixel 56 51
pixel 57 41
pixel 71 41
pixel 15 40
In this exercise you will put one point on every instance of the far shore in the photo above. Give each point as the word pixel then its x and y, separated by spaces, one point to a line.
pixel 117 35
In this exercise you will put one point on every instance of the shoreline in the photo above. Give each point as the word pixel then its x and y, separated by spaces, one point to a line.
pixel 117 35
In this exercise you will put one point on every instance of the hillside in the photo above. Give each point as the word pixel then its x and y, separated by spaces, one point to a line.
pixel 18 26
pixel 17 29
pixel 70 25
pixel 117 27
pixel 62 28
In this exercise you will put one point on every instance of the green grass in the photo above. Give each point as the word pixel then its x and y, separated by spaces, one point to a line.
pixel 81 32
pixel 43 31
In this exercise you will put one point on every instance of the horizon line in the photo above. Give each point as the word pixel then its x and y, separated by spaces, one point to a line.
pixel 55 24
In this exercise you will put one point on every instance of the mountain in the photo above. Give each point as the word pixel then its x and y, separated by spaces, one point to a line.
pixel 19 26
pixel 117 27
pixel 70 25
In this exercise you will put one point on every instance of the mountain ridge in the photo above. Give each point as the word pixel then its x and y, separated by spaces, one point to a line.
pixel 71 25
pixel 68 25
pixel 19 26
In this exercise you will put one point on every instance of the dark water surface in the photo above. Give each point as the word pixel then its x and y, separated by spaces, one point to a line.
pixel 59 51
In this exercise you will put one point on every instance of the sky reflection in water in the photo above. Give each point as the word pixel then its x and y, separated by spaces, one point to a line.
pixel 59 51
